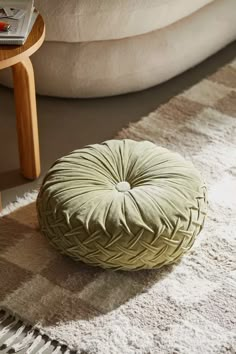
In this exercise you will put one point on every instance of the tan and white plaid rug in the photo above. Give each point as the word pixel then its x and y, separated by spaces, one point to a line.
pixel 183 309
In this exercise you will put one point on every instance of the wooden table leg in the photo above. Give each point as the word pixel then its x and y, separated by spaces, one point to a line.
pixel 26 116
pixel 0 202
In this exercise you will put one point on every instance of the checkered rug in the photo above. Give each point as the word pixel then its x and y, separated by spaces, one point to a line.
pixel 186 308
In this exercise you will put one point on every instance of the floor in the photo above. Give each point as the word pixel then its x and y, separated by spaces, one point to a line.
pixel 68 124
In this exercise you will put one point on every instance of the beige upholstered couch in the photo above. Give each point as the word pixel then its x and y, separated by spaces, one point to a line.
pixel 109 47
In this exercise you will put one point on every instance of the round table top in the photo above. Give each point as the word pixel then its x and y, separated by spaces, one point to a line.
pixel 12 54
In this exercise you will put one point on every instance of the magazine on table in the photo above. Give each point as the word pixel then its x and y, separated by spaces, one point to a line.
pixel 19 16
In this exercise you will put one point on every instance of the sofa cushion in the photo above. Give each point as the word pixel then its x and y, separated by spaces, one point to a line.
pixel 92 20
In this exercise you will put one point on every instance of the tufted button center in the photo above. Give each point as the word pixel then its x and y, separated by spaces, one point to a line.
pixel 123 186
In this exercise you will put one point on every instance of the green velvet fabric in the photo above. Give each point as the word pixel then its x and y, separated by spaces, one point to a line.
pixel 122 204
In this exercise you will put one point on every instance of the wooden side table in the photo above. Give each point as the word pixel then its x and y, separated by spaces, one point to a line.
pixel 17 57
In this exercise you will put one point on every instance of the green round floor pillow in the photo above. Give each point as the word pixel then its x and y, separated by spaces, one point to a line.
pixel 122 204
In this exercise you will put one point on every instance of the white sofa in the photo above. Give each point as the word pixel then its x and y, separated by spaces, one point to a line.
pixel 108 47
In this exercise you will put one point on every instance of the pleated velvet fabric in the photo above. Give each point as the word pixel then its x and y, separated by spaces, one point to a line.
pixel 123 205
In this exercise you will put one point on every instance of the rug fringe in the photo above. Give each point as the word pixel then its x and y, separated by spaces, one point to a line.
pixel 26 337
pixel 23 343
pixel 57 350
pixel 7 328
pixel 11 339
pixel 35 343
pixel 44 347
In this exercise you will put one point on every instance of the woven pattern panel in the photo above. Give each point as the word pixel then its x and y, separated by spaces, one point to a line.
pixel 122 205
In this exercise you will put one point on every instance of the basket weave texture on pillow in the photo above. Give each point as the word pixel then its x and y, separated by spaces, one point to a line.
pixel 122 204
